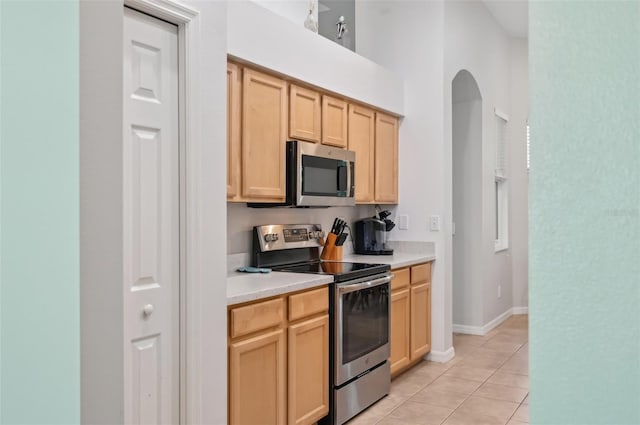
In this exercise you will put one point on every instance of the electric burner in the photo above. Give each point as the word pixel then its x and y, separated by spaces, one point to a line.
pixel 341 271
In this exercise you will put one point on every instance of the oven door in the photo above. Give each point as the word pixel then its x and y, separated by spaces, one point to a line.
pixel 324 175
pixel 361 326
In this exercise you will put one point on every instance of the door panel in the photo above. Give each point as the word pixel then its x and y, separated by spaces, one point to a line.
pixel 257 380
pixel 334 121
pixel 420 320
pixel 308 371
pixel 386 169
pixel 264 134
pixel 361 140
pixel 400 324
pixel 150 219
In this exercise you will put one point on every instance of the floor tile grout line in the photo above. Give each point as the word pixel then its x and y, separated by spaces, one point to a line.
pixel 472 393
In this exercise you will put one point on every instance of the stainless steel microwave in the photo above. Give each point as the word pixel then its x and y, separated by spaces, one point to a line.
pixel 317 176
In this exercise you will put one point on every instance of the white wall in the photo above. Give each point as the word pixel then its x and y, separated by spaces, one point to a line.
pixel 475 42
pixel 258 36
pixel 467 201
pixel 519 219
pixel 407 38
pixel 427 43
pixel 294 10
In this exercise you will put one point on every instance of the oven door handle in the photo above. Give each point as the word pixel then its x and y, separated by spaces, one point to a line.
pixel 363 285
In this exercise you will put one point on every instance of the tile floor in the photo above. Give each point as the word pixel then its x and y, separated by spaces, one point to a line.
pixel 487 383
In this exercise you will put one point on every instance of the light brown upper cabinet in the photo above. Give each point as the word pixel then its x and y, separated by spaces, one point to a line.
pixel 234 108
pixel 361 141
pixel 334 121
pixel 264 134
pixel 304 114
pixel 386 169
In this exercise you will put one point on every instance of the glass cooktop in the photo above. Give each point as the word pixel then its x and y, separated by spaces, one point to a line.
pixel 341 271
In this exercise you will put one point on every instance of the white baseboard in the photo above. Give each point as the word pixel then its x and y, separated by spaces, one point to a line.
pixel 469 330
pixel 441 356
pixel 520 310
pixel 483 330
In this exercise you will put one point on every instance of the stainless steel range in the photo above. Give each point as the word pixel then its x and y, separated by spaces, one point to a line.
pixel 358 313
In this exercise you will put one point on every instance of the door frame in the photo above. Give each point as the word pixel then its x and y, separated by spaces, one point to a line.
pixel 186 19
pixel 203 264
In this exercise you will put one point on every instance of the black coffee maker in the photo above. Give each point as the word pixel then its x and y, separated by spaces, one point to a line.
pixel 371 234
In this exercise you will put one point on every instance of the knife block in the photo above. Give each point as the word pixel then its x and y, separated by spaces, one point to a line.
pixel 331 252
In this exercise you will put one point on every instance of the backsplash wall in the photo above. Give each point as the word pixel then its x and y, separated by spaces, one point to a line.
pixel 241 219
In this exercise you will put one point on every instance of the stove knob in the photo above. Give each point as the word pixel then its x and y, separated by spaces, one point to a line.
pixel 271 237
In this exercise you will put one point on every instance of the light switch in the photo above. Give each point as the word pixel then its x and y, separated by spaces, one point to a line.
pixel 435 223
pixel 403 222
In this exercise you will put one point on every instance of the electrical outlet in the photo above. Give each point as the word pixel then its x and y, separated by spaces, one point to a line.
pixel 499 291
pixel 435 223
pixel 403 222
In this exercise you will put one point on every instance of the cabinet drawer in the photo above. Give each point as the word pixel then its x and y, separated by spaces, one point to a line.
pixel 255 317
pixel 400 279
pixel 421 273
pixel 308 303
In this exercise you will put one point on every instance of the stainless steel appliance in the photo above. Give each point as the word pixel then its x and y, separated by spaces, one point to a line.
pixel 317 176
pixel 358 312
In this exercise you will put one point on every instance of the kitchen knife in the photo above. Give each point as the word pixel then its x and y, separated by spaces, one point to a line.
pixel 341 239
pixel 334 228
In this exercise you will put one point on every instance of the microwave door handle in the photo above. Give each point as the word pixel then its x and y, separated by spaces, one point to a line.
pixel 342 165
pixel 350 176
pixel 348 169
pixel 363 285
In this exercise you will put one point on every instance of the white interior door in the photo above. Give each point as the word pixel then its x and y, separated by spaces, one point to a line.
pixel 151 220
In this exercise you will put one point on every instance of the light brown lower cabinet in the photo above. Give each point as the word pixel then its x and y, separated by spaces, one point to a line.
pixel 400 319
pixel 420 320
pixel 410 337
pixel 257 379
pixel 308 370
pixel 279 375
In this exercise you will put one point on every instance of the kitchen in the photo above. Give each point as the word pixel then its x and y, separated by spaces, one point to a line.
pixel 240 219
pixel 347 379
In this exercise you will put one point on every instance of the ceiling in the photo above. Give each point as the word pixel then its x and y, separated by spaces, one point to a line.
pixel 512 15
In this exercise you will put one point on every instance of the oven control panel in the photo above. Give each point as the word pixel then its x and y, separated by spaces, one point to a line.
pixel 296 235
pixel 288 236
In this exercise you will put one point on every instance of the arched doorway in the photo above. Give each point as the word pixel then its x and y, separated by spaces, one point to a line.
pixel 467 201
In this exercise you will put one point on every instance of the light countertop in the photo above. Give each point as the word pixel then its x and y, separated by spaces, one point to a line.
pixel 397 260
pixel 243 287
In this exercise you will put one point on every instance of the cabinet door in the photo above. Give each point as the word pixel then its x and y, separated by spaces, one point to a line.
pixel 386 168
pixel 399 338
pixel 334 122
pixel 309 370
pixel 257 380
pixel 234 85
pixel 420 320
pixel 264 133
pixel 304 114
pixel 361 140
